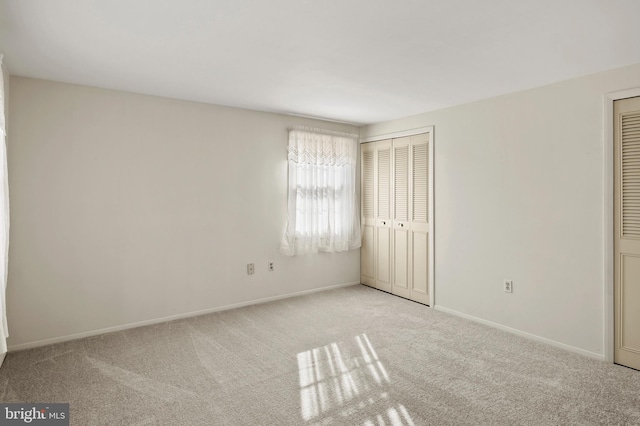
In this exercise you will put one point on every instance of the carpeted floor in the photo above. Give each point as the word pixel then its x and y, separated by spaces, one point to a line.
pixel 353 356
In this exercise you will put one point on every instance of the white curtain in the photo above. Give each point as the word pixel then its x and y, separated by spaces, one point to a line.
pixel 322 206
pixel 4 218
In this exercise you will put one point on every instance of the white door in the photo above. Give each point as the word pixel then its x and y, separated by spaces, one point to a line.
pixel 367 250
pixel 420 215
pixel 627 232
pixel 382 196
pixel 401 274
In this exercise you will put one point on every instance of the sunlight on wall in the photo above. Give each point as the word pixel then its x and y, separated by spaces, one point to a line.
pixel 347 380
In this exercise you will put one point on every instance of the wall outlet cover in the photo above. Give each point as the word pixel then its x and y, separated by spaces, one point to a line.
pixel 508 286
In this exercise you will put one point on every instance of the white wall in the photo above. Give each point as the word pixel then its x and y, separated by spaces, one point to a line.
pixel 519 195
pixel 6 85
pixel 128 208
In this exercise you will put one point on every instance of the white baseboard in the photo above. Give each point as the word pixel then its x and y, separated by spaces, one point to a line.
pixel 45 342
pixel 2 357
pixel 522 333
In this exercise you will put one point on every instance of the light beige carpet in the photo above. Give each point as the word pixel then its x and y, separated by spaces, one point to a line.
pixel 354 356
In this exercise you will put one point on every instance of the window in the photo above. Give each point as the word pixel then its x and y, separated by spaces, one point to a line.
pixel 322 207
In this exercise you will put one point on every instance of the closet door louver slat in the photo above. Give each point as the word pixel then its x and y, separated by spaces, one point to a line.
pixel 401 182
pixel 420 183
pixel 384 184
pixel 367 184
pixel 630 174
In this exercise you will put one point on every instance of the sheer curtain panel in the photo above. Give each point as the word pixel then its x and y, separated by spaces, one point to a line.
pixel 4 217
pixel 322 210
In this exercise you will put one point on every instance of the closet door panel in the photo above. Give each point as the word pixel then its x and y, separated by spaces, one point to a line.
pixel 383 205
pixel 420 252
pixel 419 216
pixel 401 249
pixel 367 256
pixel 383 259
pixel 400 283
pixel 367 179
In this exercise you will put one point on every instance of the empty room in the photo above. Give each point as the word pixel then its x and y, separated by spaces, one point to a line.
pixel 305 212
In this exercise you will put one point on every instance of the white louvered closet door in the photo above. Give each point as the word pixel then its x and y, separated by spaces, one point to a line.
pixel 367 250
pixel 382 211
pixel 419 215
pixel 627 232
pixel 396 216
pixel 401 274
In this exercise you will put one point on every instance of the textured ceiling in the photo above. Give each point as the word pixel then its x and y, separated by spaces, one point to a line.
pixel 358 61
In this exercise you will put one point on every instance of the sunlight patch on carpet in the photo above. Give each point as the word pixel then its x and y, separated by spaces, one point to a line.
pixel 344 378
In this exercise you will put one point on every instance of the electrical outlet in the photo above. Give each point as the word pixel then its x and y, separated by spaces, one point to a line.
pixel 508 286
pixel 270 266
pixel 250 268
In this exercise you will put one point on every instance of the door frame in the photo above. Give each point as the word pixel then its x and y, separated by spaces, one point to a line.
pixel 431 241
pixel 608 232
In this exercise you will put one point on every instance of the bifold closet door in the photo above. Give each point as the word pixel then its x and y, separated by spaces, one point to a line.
pixel 410 243
pixel 401 274
pixel 419 217
pixel 627 232
pixel 382 211
pixel 368 220
pixel 395 216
